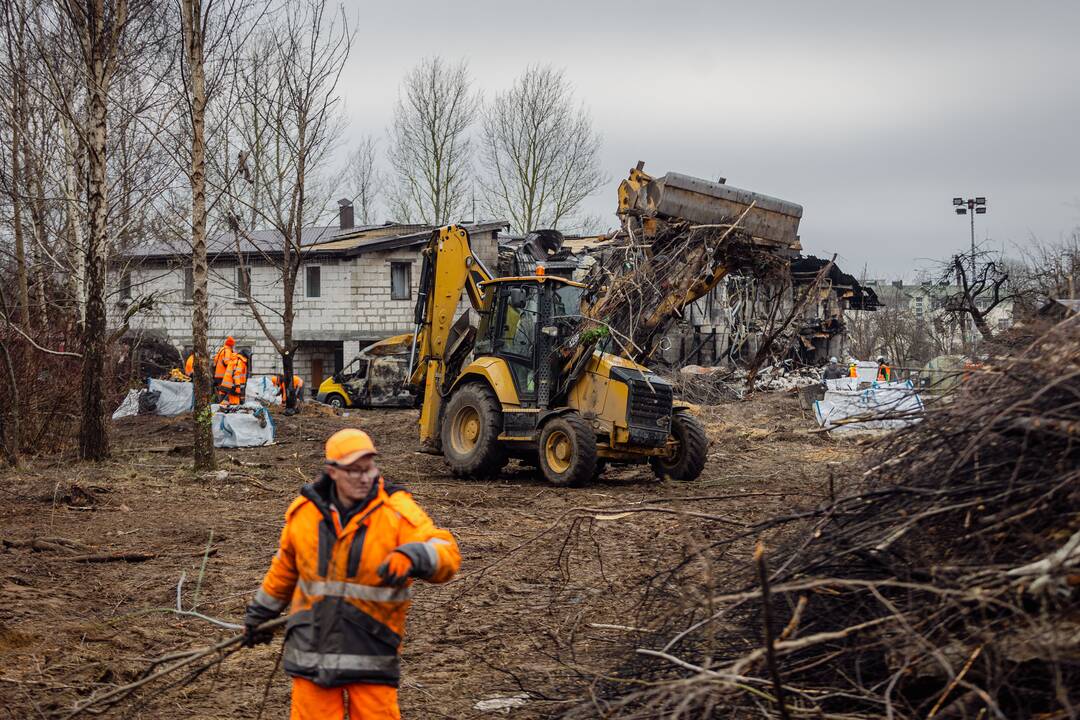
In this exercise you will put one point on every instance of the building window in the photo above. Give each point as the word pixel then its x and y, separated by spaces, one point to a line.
pixel 313 281
pixel 125 285
pixel 400 281
pixel 189 284
pixel 243 282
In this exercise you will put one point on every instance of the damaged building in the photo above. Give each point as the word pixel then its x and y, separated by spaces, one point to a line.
pixel 727 326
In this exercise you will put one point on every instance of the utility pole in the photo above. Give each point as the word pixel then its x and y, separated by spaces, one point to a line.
pixel 971 206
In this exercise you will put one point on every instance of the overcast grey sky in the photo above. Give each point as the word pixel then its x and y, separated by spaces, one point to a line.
pixel 871 115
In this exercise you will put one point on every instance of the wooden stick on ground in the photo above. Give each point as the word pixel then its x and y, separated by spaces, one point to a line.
pixel 766 619
pixel 117 694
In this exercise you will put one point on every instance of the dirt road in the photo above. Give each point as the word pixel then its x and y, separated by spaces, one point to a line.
pixel 546 572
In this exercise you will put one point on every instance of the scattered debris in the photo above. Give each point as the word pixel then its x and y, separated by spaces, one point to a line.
pixel 502 704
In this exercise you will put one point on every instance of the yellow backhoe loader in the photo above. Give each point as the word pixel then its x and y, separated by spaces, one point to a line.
pixel 512 388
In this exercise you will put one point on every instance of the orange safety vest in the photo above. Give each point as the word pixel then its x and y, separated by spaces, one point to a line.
pixel 884 372
pixel 235 379
pixel 344 625
pixel 189 365
pixel 853 371
pixel 278 381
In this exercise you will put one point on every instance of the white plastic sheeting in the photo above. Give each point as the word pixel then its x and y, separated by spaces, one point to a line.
pixel 130 405
pixel 242 429
pixel 260 388
pixel 876 404
pixel 176 398
pixel 172 398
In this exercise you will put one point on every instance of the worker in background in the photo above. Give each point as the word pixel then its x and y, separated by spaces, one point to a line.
pixel 278 381
pixel 234 383
pixel 351 547
pixel 222 358
pixel 833 371
pixel 853 368
pixel 884 372
pixel 189 365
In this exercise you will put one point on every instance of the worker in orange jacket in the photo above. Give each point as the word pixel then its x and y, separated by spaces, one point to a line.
pixel 278 381
pixel 234 383
pixel 189 365
pixel 351 547
pixel 884 372
pixel 222 358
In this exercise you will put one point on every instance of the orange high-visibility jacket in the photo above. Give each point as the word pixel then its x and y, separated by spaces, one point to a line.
pixel 884 373
pixel 278 381
pixel 189 365
pixel 344 626
pixel 222 358
pixel 236 374
pixel 853 371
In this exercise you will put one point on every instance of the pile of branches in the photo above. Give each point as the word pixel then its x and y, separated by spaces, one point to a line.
pixel 943 584
pixel 640 284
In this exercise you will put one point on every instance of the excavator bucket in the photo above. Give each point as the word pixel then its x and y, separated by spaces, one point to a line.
pixel 675 196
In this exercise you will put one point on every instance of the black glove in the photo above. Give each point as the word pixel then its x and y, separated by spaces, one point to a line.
pixel 254 616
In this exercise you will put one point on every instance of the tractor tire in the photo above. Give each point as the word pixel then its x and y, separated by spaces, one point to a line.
pixel 568 450
pixel 689 458
pixel 471 423
pixel 335 400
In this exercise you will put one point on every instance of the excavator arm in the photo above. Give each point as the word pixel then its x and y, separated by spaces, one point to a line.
pixel 449 267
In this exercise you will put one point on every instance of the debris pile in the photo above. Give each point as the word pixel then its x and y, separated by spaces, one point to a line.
pixel 784 377
pixel 944 583
pixel 719 384
pixel 639 285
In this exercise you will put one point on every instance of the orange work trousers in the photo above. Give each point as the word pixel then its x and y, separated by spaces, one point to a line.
pixel 366 702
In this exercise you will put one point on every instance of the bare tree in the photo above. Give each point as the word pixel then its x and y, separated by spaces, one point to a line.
pixel 100 26
pixel 288 125
pixel 364 179
pixel 429 143
pixel 983 284
pixel 540 152
pixel 14 15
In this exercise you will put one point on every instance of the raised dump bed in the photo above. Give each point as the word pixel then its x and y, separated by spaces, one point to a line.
pixel 675 196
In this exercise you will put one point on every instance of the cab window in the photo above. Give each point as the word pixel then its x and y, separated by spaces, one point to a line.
pixel 518 320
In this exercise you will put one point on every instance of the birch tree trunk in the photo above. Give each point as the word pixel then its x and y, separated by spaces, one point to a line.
pixel 191 15
pixel 76 249
pixel 100 38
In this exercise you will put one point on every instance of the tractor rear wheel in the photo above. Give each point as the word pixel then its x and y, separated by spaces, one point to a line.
pixel 568 450
pixel 688 460
pixel 471 425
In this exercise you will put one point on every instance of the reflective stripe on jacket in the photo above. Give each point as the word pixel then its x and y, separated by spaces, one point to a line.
pixel 345 626
pixel 236 374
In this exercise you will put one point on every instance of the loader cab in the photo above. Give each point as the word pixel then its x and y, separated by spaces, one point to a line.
pixel 524 322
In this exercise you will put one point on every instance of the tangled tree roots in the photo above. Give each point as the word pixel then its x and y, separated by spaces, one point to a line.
pixel 944 584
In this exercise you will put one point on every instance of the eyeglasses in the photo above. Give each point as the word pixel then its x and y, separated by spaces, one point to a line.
pixel 351 470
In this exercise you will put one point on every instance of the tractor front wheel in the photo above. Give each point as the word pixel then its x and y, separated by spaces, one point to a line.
pixel 471 425
pixel 688 460
pixel 568 450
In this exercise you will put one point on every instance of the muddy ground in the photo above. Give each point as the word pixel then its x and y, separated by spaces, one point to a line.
pixel 532 609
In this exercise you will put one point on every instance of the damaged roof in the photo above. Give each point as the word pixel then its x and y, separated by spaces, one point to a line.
pixel 806 267
pixel 324 240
